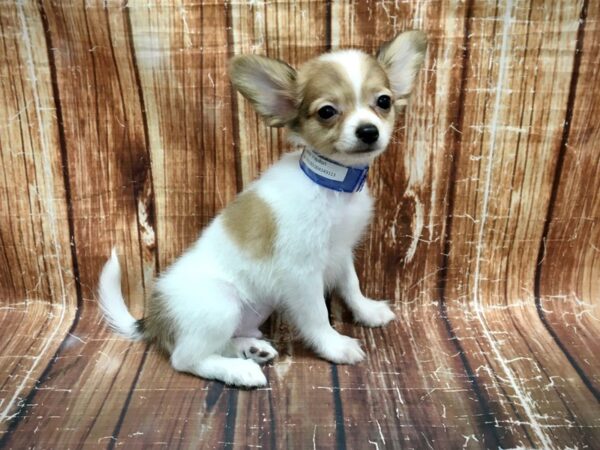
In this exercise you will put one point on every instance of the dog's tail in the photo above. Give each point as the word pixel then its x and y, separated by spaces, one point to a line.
pixel 112 303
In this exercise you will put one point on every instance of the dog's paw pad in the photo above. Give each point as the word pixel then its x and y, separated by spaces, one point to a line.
pixel 258 350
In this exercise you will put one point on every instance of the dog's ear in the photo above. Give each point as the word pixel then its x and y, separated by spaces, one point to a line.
pixel 269 84
pixel 402 57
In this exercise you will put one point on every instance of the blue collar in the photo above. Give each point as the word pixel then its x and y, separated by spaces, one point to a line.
pixel 331 174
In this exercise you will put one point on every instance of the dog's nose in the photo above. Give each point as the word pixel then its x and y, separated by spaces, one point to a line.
pixel 367 133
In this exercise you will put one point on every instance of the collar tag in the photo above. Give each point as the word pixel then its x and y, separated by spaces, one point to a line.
pixel 332 175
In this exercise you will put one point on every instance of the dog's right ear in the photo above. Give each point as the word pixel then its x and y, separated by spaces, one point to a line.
pixel 269 84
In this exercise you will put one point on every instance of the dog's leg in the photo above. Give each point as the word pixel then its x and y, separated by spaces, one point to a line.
pixel 233 371
pixel 368 312
pixel 246 342
pixel 252 348
pixel 305 307
pixel 207 315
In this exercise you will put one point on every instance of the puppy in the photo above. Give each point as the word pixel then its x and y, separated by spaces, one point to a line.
pixel 288 238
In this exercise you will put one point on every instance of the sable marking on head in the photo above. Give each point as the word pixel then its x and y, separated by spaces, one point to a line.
pixel 375 83
pixel 323 82
pixel 250 222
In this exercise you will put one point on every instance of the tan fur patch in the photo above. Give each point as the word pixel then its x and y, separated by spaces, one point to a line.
pixel 323 82
pixel 251 224
pixel 375 82
pixel 157 326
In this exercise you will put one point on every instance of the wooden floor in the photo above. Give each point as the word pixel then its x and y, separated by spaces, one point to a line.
pixel 437 378
pixel 118 128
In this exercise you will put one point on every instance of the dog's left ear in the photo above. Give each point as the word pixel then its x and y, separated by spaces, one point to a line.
pixel 269 84
pixel 402 57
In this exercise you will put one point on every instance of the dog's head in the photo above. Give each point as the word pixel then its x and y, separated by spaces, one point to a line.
pixel 343 104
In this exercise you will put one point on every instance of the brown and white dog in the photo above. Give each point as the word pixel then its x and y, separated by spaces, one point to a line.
pixel 288 238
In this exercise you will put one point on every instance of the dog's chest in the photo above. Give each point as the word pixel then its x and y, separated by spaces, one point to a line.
pixel 349 216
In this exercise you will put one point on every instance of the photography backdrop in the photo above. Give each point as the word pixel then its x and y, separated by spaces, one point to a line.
pixel 119 127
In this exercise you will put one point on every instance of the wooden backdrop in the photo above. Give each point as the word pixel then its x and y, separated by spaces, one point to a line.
pixel 118 127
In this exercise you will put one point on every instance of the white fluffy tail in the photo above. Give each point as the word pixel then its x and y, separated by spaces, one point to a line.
pixel 112 303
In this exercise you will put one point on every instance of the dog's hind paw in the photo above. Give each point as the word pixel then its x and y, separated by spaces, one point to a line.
pixel 258 350
pixel 247 374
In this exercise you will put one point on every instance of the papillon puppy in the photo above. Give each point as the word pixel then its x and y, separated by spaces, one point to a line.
pixel 288 238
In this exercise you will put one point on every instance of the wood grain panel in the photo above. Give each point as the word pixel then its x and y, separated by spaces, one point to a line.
pixel 182 53
pixel 37 293
pixel 569 283
pixel 515 104
pixel 108 165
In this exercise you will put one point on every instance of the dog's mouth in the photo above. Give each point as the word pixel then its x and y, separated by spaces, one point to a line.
pixel 359 155
pixel 361 149
pixel 368 149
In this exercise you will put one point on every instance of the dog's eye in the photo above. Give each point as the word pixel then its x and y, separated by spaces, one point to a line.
pixel 327 112
pixel 384 101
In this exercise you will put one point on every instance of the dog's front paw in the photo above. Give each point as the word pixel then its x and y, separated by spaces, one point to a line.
pixel 373 313
pixel 341 349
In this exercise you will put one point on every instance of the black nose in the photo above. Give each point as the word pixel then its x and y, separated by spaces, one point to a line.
pixel 367 133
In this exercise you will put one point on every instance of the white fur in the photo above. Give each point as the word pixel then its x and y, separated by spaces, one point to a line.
pixel 112 303
pixel 217 295
pixel 352 60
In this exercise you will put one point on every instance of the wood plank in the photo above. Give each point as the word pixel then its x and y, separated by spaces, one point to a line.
pixel 569 284
pixel 182 58
pixel 37 293
pixel 514 114
pixel 107 160
pixel 414 389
